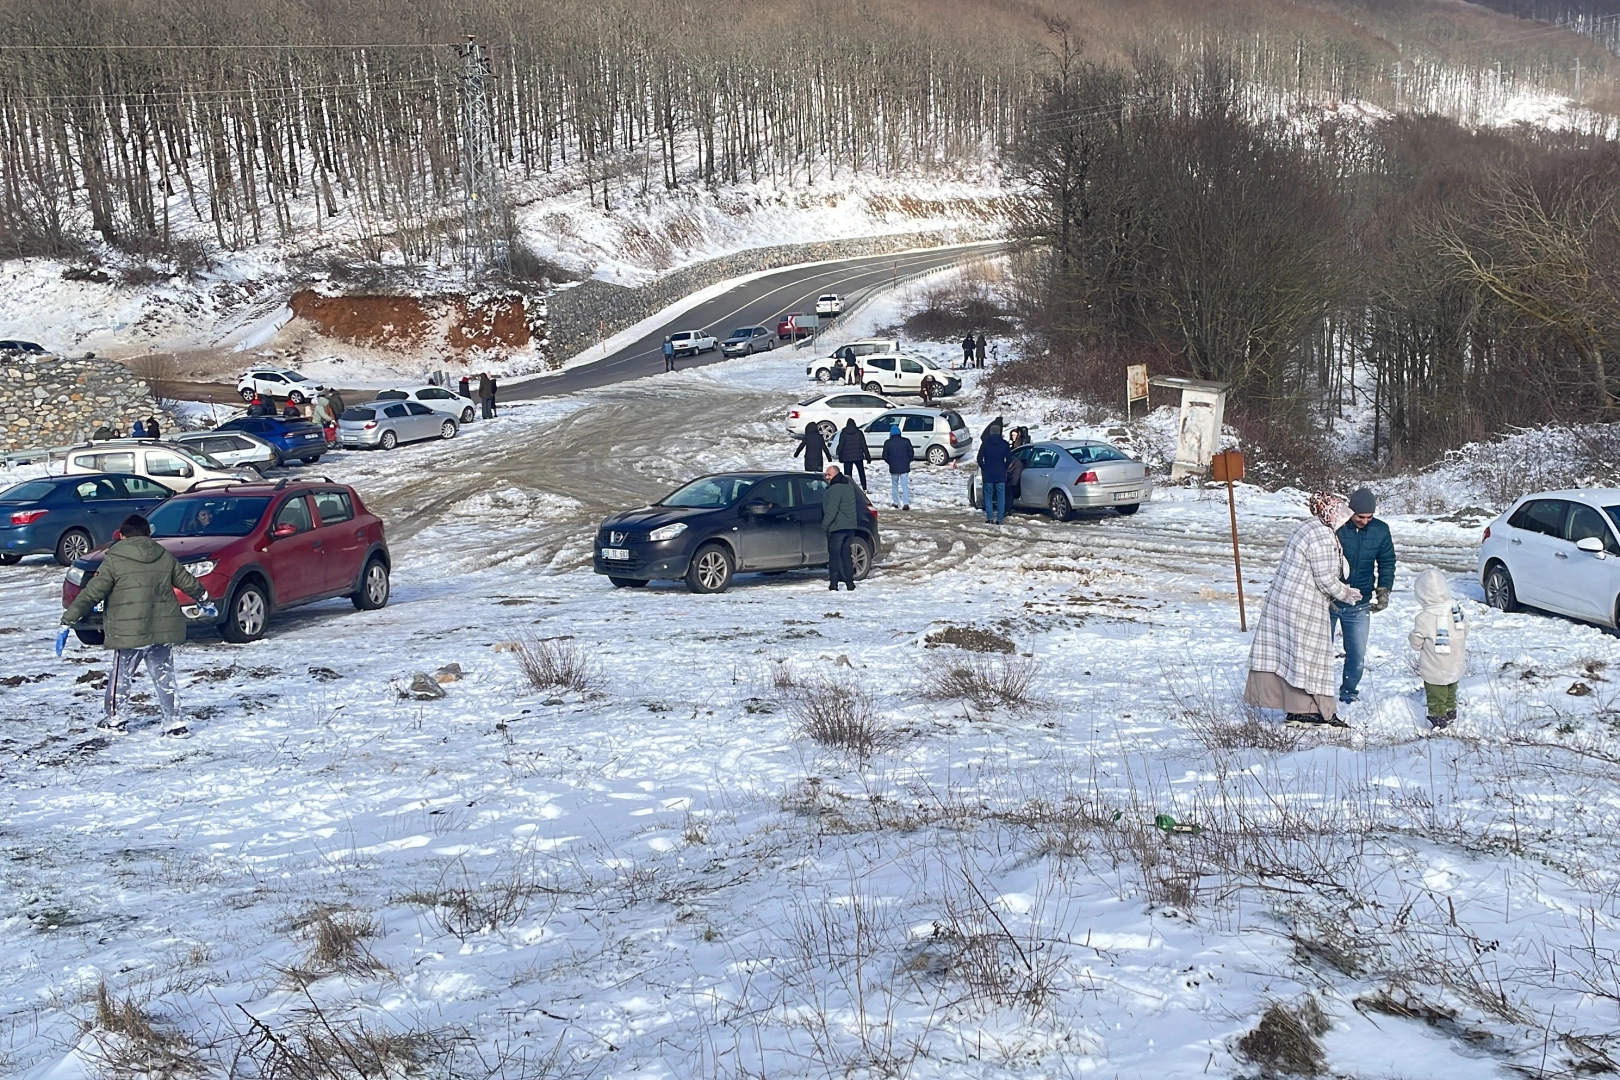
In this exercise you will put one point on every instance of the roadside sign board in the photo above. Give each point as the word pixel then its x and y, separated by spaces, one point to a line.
pixel 1136 385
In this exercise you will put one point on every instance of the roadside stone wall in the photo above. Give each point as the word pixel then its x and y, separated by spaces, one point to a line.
pixel 51 401
pixel 580 316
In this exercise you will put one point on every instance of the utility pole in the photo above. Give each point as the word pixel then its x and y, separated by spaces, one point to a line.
pixel 480 195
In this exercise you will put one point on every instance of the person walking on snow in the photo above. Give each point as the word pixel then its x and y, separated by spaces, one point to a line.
pixel 978 351
pixel 1440 634
pixel 852 451
pixel 142 620
pixel 1369 552
pixel 897 455
pixel 813 447
pixel 486 397
pixel 1291 660
pixel 669 355
pixel 994 459
pixel 968 345
pixel 838 509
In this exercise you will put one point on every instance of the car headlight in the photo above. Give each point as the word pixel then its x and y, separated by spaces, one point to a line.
pixel 200 568
pixel 668 532
pixel 75 576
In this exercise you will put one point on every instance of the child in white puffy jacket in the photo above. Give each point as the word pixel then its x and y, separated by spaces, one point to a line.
pixel 1441 634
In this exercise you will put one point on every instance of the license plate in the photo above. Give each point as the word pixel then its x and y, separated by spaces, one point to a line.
pixel 1127 496
pixel 615 554
pixel 312 435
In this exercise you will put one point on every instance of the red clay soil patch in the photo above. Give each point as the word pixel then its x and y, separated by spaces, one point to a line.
pixel 409 321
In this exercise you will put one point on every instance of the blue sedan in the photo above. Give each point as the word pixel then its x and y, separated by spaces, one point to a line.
pixel 68 516
pixel 291 438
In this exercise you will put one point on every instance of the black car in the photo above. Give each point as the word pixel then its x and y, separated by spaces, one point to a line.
pixel 31 348
pixel 716 527
pixel 747 340
pixel 68 515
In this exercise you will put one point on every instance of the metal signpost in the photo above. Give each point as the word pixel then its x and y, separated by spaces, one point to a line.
pixel 1227 467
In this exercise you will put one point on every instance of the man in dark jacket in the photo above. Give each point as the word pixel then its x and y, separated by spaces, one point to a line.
pixel 839 507
pixel 142 620
pixel 994 457
pixel 852 450
pixel 978 350
pixel 465 388
pixel 486 397
pixel 494 389
pixel 814 449
pixel 897 454
pixel 1369 551
pixel 968 345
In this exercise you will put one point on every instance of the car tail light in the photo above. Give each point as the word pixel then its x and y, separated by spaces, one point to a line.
pixel 1487 535
pixel 793 414
pixel 1087 477
pixel 27 517
pixel 371 425
pixel 953 438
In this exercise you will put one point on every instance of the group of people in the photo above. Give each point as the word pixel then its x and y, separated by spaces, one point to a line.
pixel 973 349
pixel 487 386
pixel 148 428
pixel 1336 573
pixel 1000 468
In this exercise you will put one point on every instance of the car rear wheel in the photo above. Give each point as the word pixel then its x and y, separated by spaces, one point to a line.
pixel 938 455
pixel 823 375
pixel 467 415
pixel 829 430
pixel 91 637
pixel 296 397
pixel 388 441
pixel 860 558
pixel 873 387
pixel 310 460
pixel 627 583
pixel 710 570
pixel 72 545
pixel 9 558
pixel 1128 509
pixel 246 393
pixel 373 592
pixel 447 430
pixel 1058 503
pixel 245 615
pixel 1499 592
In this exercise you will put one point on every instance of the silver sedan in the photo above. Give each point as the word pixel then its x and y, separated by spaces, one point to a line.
pixel 1064 476
pixel 386 424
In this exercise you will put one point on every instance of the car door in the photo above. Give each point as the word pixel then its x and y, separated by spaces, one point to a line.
pixel 425 423
pixel 1537 532
pixel 809 491
pixel 1040 470
pixel 880 370
pixel 1587 583
pixel 168 469
pixel 102 505
pixel 910 375
pixel 919 431
pixel 268 382
pixel 877 432
pixel 295 557
pixel 398 418
pixel 442 401
pixel 141 496
pixel 770 539
pixel 343 544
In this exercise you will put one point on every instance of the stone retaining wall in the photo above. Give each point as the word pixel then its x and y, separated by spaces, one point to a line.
pixel 50 401
pixel 594 310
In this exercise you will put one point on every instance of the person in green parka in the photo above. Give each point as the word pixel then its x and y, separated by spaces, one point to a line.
pixel 142 620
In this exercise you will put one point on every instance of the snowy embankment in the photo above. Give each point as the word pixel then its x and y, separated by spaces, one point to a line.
pixel 658 872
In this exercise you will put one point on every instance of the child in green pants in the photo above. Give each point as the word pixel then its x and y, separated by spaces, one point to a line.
pixel 1440 633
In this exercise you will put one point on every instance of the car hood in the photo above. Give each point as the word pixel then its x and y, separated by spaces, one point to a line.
pixel 184 548
pixel 651 517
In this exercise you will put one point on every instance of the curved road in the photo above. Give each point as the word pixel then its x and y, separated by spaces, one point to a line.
pixel 756 302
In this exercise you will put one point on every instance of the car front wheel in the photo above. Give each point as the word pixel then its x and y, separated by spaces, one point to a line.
pixel 72 545
pixel 447 430
pixel 373 592
pixel 1058 504
pixel 296 397
pixel 860 558
pixel 467 415
pixel 711 569
pixel 9 558
pixel 388 441
pixel 1499 592
pixel 938 455
pixel 246 615
pixel 823 376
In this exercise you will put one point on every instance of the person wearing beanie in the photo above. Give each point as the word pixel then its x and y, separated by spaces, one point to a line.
pixel 1369 558
pixel 897 455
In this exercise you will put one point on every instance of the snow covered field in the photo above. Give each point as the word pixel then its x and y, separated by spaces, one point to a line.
pixel 662 875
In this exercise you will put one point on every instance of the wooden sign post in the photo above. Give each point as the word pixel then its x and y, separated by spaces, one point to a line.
pixel 1227 467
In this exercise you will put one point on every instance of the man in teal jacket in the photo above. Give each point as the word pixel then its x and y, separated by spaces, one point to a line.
pixel 1370 552
pixel 141 618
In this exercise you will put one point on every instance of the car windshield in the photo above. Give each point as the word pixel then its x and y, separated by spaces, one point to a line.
pixel 28 491
pixel 200 457
pixel 218 515
pixel 742 332
pixel 709 493
pixel 294 376
pixel 955 420
pixel 1612 511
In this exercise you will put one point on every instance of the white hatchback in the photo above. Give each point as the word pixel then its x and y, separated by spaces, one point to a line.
pixel 278 382
pixel 1558 551
pixel 437 398
pixel 831 411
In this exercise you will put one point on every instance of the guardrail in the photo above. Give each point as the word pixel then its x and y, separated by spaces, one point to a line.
pixel 872 292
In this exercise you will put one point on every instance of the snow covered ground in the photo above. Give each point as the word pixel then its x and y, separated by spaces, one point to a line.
pixel 662 875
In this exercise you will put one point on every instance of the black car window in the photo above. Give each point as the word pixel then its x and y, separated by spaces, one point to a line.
pixel 355 412
pixel 911 367
pixel 867 401
pixel 1091 452
pixel 883 423
pixel 28 491
pixel 955 420
pixel 812 490
pixel 270 376
pixel 846 401
pixel 100 489
pixel 882 363
pixel 1544 516
pixel 333 506
pixel 1584 522
pixel 295 512
pixel 760 331
pixel 139 487
pixel 919 423
pixel 392 395
pixel 708 493
pixel 396 411
pixel 416 408
pixel 778 491
pixel 216 515
pixel 1042 457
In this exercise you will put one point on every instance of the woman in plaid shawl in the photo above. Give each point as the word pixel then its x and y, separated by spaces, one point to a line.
pixel 1291 660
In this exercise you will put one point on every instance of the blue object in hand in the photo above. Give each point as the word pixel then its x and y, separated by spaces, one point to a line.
pixel 61 641
pixel 210 610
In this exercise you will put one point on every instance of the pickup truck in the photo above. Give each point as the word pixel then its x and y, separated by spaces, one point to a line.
pixel 692 342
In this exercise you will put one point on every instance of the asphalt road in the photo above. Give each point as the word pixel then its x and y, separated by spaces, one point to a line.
pixel 757 302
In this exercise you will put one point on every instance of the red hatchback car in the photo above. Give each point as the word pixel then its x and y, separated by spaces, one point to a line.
pixel 795 325
pixel 258 548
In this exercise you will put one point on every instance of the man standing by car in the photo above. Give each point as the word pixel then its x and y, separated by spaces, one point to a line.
pixel 142 620
pixel 813 447
pixel 994 458
pixel 838 508
pixel 485 398
pixel 669 355
pixel 897 454
pixel 852 450
pixel 1369 551
pixel 494 389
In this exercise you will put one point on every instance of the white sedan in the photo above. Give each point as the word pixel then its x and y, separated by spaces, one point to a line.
pixel 831 411
pixel 829 305
pixel 438 398
pixel 692 342
pixel 278 382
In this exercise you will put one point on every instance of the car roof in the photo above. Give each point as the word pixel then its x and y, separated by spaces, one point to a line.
pixel 1595 496
pixel 264 487
pixel 1072 444
pixel 118 444
pixel 920 410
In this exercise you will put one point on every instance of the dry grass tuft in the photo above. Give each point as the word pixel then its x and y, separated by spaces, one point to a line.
pixel 467 907
pixel 315 1045
pixel 131 1043
pixel 838 714
pixel 1286 1041
pixel 336 946
pixel 556 664
pixel 986 682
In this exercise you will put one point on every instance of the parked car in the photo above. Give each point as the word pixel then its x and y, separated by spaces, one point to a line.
pixel 715 527
pixel 437 398
pixel 68 515
pixel 298 439
pixel 692 342
pixel 822 370
pixel 747 340
pixel 832 411
pixel 903 373
pixel 261 548
pixel 794 325
pixel 386 424
pixel 1556 551
pixel 278 383
pixel 237 449
pixel 828 305
pixel 1061 477
pixel 30 348
pixel 175 465
pixel 938 436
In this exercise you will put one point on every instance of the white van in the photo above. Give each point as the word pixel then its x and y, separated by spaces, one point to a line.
pixel 903 373
pixel 822 370
pixel 174 465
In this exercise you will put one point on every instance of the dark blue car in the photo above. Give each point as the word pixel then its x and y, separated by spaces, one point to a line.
pixel 68 516
pixel 292 438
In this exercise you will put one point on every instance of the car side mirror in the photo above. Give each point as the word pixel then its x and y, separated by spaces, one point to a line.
pixel 186 470
pixel 1592 545
pixel 755 508
pixel 286 528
